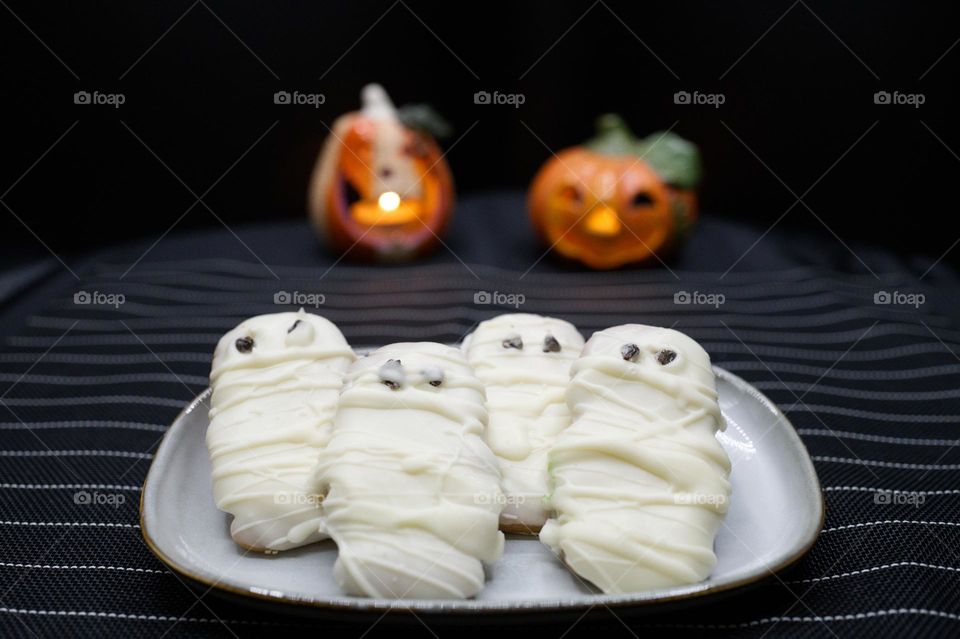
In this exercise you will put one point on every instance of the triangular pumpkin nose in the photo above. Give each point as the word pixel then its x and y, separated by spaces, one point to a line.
pixel 602 221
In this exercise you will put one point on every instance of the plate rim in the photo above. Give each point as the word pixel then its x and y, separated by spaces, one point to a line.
pixel 475 606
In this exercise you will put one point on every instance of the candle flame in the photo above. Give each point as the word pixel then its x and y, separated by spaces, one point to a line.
pixel 387 210
pixel 389 201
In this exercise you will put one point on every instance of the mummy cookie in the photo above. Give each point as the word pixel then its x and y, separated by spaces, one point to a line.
pixel 640 482
pixel 275 380
pixel 412 492
pixel 524 362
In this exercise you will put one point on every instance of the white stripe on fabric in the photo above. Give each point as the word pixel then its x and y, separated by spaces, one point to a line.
pixel 92 358
pixel 888 522
pixel 864 571
pixel 856 393
pixel 132 617
pixel 69 487
pixel 818 619
pixel 879 439
pixel 912 418
pixel 93 380
pixel 839 373
pixel 148 571
pixel 68 524
pixel 91 424
pixel 870 489
pixel 95 400
pixel 883 464
pixel 75 453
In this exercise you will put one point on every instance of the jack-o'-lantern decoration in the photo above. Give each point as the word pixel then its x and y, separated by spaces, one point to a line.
pixel 617 199
pixel 381 190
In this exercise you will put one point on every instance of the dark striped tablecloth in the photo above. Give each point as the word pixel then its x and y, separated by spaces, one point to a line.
pixel 873 389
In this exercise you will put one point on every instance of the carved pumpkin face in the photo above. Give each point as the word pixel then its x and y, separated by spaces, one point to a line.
pixel 606 206
pixel 602 210
pixel 381 190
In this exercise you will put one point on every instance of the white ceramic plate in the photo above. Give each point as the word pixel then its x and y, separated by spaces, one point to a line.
pixel 776 511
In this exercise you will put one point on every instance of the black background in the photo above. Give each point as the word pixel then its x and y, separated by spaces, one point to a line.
pixel 199 92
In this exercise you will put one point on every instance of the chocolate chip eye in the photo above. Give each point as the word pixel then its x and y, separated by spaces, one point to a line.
pixel 244 344
pixel 629 351
pixel 433 375
pixel 300 334
pixel 666 356
pixel 391 374
pixel 514 341
pixel 550 344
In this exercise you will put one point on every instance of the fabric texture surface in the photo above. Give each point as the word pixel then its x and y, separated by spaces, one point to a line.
pixel 857 345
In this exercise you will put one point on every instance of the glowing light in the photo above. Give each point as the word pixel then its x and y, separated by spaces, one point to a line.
pixel 389 201
pixel 389 209
pixel 603 222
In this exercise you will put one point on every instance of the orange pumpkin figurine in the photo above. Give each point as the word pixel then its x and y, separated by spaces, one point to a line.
pixel 617 199
pixel 381 189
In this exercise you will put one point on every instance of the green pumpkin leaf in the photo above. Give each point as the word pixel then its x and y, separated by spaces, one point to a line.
pixel 676 160
pixel 423 117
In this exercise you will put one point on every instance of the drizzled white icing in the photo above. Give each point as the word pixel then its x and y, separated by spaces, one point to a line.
pixel 271 412
pixel 412 494
pixel 640 480
pixel 526 400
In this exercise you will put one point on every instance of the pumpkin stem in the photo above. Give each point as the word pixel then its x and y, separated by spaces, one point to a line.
pixel 611 122
pixel 376 103
pixel 613 137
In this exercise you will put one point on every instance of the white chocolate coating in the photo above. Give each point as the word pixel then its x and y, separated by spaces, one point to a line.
pixel 412 493
pixel 271 412
pixel 526 398
pixel 640 480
